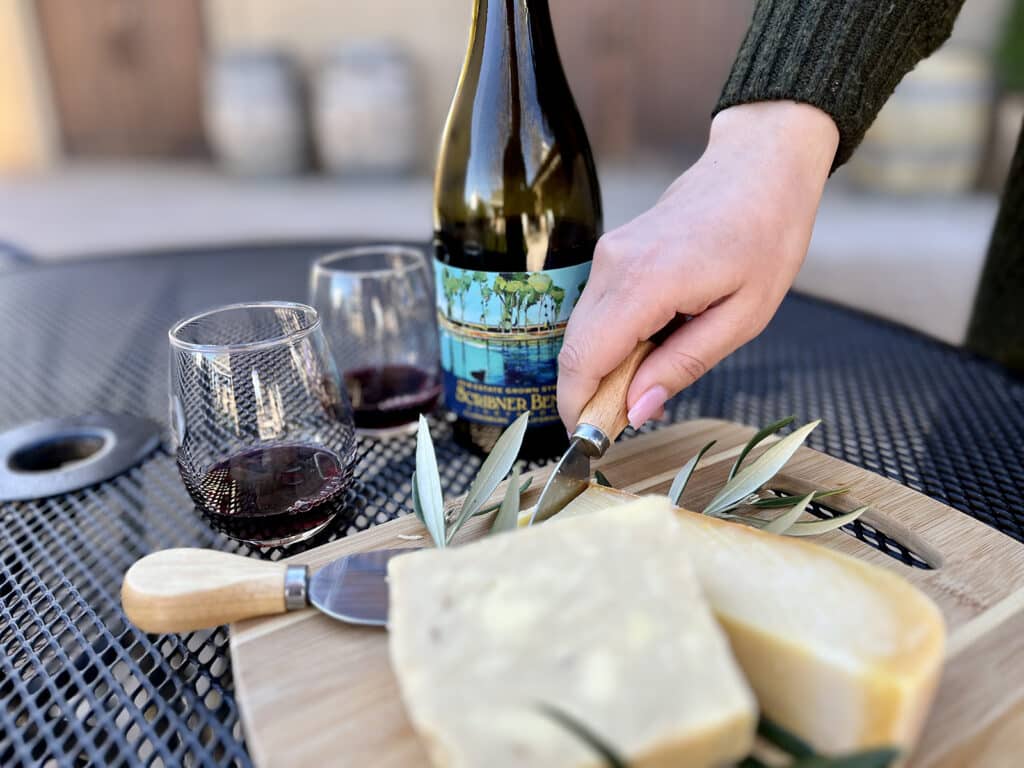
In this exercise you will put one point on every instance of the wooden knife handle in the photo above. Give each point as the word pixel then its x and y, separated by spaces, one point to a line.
pixel 181 590
pixel 607 408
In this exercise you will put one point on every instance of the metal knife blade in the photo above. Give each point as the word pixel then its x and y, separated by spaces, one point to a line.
pixel 568 480
pixel 602 420
pixel 354 589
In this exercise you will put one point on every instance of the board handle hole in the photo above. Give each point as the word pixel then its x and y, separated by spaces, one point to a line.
pixel 867 533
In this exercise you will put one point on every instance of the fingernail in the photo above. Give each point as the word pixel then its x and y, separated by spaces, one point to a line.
pixel 648 405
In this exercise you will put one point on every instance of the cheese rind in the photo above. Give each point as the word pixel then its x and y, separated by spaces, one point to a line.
pixel 841 652
pixel 600 617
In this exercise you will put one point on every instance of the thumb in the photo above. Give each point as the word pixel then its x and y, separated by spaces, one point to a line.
pixel 683 358
pixel 594 344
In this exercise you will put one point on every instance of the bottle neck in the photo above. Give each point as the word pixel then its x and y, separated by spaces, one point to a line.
pixel 516 31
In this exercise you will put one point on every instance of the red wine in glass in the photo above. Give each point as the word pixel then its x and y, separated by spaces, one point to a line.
pixel 272 494
pixel 390 396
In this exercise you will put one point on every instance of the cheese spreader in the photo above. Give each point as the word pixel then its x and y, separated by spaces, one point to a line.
pixel 182 590
pixel 603 419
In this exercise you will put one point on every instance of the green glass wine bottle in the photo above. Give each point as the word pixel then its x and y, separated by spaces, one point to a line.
pixel 517 213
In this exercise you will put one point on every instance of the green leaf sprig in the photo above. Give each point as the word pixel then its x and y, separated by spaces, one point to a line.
pixel 750 479
pixel 785 521
pixel 523 488
pixel 610 756
pixel 743 486
pixel 757 439
pixel 787 500
pixel 428 500
pixel 426 486
pixel 682 479
pixel 806 757
pixel 507 518
pixel 803 754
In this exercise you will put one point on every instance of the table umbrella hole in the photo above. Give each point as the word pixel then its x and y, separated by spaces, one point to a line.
pixel 56 456
pixel 61 451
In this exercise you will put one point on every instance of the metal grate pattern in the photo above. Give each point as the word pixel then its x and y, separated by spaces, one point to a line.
pixel 79 685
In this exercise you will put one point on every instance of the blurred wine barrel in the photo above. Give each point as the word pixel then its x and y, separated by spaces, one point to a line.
pixel 365 109
pixel 929 138
pixel 254 112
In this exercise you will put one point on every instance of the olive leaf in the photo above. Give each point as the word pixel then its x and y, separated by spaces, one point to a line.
pixel 824 526
pixel 783 738
pixel 416 506
pixel 808 528
pixel 428 485
pixel 495 507
pixel 771 732
pixel 785 521
pixel 497 464
pixel 507 518
pixel 760 472
pixel 806 757
pixel 682 478
pixel 771 429
pixel 778 502
pixel 607 753
pixel 427 499
pixel 872 758
pixel 751 520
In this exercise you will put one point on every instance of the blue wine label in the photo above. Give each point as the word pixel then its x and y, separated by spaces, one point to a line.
pixel 500 337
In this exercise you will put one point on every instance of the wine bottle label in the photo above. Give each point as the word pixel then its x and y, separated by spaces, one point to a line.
pixel 500 337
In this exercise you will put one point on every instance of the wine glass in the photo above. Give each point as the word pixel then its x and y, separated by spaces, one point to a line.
pixel 377 306
pixel 260 421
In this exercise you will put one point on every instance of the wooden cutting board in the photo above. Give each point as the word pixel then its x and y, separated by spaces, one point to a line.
pixel 313 691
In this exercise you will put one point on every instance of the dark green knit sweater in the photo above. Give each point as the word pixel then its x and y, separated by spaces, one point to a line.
pixel 846 57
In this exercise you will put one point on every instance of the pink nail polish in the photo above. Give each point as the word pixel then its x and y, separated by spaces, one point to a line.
pixel 648 405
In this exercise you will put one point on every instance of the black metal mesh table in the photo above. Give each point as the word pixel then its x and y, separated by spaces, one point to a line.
pixel 79 685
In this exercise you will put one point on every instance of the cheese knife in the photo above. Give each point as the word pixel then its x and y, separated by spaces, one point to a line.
pixel 603 419
pixel 182 590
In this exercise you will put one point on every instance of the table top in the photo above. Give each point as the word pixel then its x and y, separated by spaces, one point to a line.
pixel 79 684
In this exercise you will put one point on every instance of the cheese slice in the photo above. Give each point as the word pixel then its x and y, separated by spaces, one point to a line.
pixel 600 617
pixel 843 653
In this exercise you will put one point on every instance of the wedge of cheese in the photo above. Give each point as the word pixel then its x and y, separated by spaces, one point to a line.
pixel 840 652
pixel 600 617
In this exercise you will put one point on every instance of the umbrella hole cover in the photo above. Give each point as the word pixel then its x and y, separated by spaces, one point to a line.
pixel 55 456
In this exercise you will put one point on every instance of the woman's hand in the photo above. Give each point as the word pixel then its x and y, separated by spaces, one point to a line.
pixel 723 244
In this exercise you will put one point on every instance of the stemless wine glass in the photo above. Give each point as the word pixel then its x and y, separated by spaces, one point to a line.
pixel 377 306
pixel 261 424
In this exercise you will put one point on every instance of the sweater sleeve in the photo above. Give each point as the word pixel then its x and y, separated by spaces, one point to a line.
pixel 843 56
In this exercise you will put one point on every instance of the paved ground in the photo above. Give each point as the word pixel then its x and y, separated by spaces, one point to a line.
pixel 88 208
pixel 914 261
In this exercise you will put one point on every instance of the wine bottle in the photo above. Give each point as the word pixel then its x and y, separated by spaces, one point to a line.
pixel 517 213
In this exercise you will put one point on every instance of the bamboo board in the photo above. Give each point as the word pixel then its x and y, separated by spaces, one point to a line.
pixel 313 691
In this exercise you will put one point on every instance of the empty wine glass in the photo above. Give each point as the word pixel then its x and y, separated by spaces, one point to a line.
pixel 377 306
pixel 260 421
